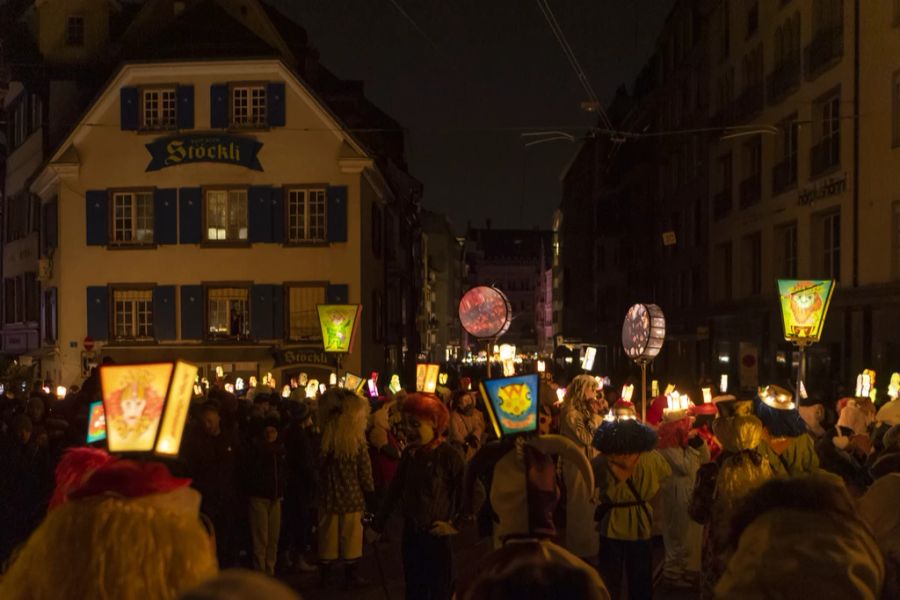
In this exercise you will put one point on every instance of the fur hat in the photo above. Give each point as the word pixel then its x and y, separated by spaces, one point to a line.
pixel 623 433
pixel 427 407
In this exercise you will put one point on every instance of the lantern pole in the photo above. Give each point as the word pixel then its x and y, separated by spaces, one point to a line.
pixel 643 364
pixel 801 368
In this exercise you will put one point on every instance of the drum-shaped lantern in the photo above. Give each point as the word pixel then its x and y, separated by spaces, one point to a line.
pixel 643 332
pixel 484 312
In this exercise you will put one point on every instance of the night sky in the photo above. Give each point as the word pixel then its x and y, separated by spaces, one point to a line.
pixel 483 72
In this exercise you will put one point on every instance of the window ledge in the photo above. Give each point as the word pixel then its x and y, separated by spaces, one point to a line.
pixel 124 342
pixel 323 244
pixel 213 244
pixel 261 128
pixel 132 246
pixel 231 342
pixel 157 131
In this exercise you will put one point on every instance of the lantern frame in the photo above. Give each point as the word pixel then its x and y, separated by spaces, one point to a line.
pixel 476 308
pixel 643 332
pixel 153 420
pixel 349 326
pixel 505 422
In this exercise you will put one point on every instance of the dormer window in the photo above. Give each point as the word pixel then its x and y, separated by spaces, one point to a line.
pixel 158 108
pixel 248 105
pixel 75 30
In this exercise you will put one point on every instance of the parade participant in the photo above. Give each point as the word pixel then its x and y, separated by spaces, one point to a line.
pixel 428 487
pixel 846 448
pixel 578 422
pixel 384 446
pixel 466 424
pixel 301 446
pixel 265 480
pixel 878 508
pixel 738 470
pixel 345 475
pixel 813 415
pixel 628 473
pixel 888 461
pixel 128 531
pixel 685 451
pixel 786 432
pixel 798 538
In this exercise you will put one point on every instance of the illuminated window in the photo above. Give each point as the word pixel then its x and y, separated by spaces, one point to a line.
pixel 228 313
pixel 306 215
pixel 303 318
pixel 132 218
pixel 248 106
pixel 158 108
pixel 226 215
pixel 75 30
pixel 133 315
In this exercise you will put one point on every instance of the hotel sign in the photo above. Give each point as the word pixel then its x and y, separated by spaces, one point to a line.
pixel 185 149
pixel 303 355
pixel 831 186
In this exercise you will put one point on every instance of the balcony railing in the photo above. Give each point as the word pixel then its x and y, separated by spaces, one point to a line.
pixel 721 204
pixel 825 155
pixel 826 47
pixel 750 102
pixel 750 191
pixel 784 175
pixel 783 80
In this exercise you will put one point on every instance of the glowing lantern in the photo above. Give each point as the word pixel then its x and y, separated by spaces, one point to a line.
pixel 485 312
pixel 394 385
pixel 804 305
pixel 541 366
pixel 443 378
pixel 707 395
pixel 426 377
pixel 627 392
pixel 512 404
pixel 354 383
pixel 332 379
pixel 61 392
pixel 146 405
pixel 723 384
pixel 590 355
pixel 654 388
pixel 643 332
pixel 239 384
pixel 96 431
pixel 339 323
pixel 286 391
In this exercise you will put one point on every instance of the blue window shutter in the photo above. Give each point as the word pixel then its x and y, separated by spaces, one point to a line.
pixel 185 110
pixel 164 312
pixel 261 312
pixel 190 209
pixel 278 216
pixel 218 106
pixel 128 99
pixel 275 104
pixel 165 216
pixel 259 208
pixel 98 312
pixel 192 312
pixel 337 293
pixel 336 217
pixel 97 217
pixel 277 312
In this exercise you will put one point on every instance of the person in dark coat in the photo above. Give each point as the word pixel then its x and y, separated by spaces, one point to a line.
pixel 265 480
pixel 299 516
pixel 210 453
pixel 26 482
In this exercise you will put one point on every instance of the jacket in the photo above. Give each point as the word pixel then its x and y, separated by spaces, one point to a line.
pixel 266 470
pixel 428 486
pixel 344 482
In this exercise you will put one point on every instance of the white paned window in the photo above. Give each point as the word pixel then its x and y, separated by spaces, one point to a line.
pixel 132 218
pixel 248 106
pixel 133 313
pixel 226 215
pixel 228 313
pixel 306 215
pixel 158 108
pixel 303 318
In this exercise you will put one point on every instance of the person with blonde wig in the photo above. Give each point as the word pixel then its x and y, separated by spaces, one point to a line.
pixel 120 530
pixel 578 421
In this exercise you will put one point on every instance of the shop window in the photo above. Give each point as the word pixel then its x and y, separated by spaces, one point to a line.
pixel 132 314
pixel 228 313
pixel 303 317
pixel 307 215
pixel 226 215
pixel 132 218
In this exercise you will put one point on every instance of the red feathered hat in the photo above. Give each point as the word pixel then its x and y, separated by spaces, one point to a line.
pixel 428 407
pixel 130 479
pixel 73 470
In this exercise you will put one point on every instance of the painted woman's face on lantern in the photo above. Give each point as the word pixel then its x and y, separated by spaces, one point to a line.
pixel 133 405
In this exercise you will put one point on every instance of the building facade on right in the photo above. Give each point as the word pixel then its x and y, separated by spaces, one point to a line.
pixel 800 186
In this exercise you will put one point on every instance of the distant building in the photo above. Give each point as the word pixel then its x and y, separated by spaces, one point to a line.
pixel 185 184
pixel 438 319
pixel 513 261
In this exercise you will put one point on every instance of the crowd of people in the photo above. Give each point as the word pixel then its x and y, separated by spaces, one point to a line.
pixel 745 496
